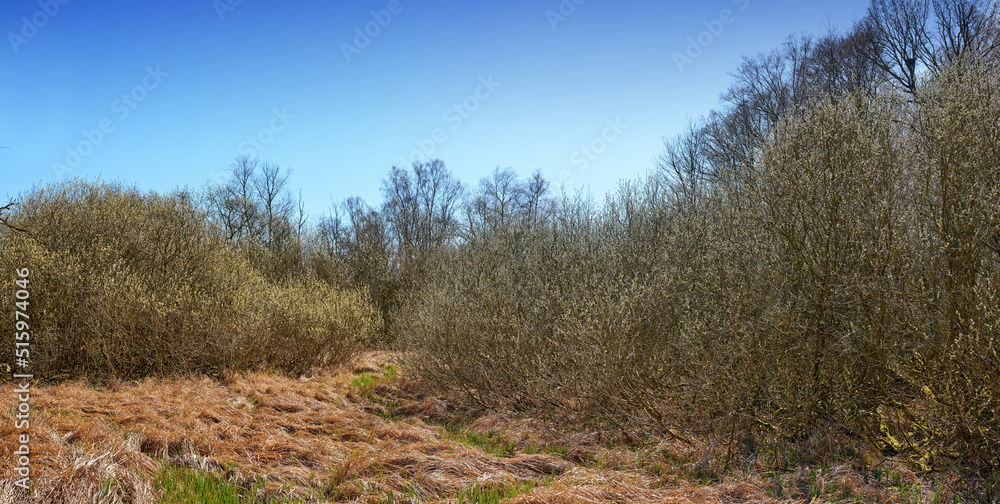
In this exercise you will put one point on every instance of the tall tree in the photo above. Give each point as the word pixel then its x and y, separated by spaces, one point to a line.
pixel 420 208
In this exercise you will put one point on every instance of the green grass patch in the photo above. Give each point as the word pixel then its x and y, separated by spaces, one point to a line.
pixel 182 485
pixel 114 487
pixel 501 447
pixel 489 444
pixel 363 382
pixel 476 494
pixel 366 382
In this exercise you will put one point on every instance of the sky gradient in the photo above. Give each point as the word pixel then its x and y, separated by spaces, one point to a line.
pixel 167 94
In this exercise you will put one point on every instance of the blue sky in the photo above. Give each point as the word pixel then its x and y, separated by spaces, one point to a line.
pixel 166 94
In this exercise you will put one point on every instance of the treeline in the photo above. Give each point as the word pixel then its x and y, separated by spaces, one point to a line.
pixel 426 216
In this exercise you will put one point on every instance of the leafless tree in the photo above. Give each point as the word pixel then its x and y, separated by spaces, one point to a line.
pixel 899 28
pixel 254 208
pixel 496 203
pixel 965 27
pixel 765 89
pixel 420 206
pixel 366 242
pixel 400 210
pixel 233 204
pixel 536 189
pixel 683 163
pixel 907 39
pixel 439 195
pixel 419 209
pixel 302 217
pixel 731 140
pixel 766 83
pixel 356 236
pixel 768 87
pixel 839 64
pixel 269 186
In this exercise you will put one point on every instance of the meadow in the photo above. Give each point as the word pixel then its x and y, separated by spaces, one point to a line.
pixel 801 301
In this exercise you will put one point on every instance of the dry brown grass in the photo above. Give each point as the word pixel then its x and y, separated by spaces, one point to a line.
pixel 321 439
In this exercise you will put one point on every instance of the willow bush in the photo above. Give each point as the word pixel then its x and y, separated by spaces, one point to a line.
pixel 132 284
pixel 844 275
pixel 957 240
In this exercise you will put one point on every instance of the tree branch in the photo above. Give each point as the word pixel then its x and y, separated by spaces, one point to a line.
pixel 4 220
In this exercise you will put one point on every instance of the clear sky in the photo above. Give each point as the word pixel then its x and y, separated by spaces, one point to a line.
pixel 167 93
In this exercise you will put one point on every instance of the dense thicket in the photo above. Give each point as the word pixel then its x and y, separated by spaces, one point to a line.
pixel 823 251
pixel 131 284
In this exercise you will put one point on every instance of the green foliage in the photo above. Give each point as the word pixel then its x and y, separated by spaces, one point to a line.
pixel 366 382
pixel 477 494
pixel 180 485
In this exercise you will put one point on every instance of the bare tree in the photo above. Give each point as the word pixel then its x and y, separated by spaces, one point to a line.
pixel 503 203
pixel 731 139
pixel 768 87
pixel 233 204
pixel 302 218
pixel 356 236
pixel 439 194
pixel 839 64
pixel 965 27
pixel 765 89
pixel 683 163
pixel 420 212
pixel 496 203
pixel 269 186
pixel 904 38
pixel 367 244
pixel 401 212
pixel 900 31
pixel 535 191
pixel 765 84
pixel 255 211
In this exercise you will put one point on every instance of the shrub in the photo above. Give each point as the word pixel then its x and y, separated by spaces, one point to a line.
pixel 845 275
pixel 132 284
